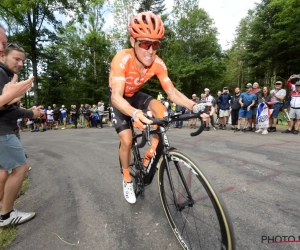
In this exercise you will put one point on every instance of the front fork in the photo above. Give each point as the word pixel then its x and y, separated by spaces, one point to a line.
pixel 188 201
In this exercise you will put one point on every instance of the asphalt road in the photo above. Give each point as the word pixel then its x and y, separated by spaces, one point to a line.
pixel 76 190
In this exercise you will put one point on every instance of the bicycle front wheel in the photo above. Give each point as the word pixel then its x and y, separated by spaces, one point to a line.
pixel 195 210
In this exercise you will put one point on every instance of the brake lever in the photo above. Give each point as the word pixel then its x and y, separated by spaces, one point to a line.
pixel 148 139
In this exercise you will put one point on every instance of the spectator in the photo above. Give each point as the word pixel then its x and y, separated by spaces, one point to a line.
pixel 36 124
pixel 235 107
pixel 13 163
pixel 218 106
pixel 81 113
pixel 88 115
pixel 203 98
pixel 164 102
pixel 257 91
pixel 159 96
pixel 63 112
pixel 173 108
pixel 74 115
pixel 224 99
pixel 55 116
pixel 179 123
pixel 294 102
pixel 290 83
pixel 49 117
pixel 278 95
pixel 100 113
pixel 266 97
pixel 193 121
pixel 210 99
pixel 247 100
pixel 43 119
pixel 109 115
pixel 11 90
pixel 94 116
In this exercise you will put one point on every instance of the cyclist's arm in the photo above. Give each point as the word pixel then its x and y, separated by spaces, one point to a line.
pixel 176 96
pixel 173 94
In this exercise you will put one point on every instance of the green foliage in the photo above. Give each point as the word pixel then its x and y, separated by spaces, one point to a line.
pixel 31 18
pixel 156 6
pixel 78 65
pixel 71 62
pixel 266 44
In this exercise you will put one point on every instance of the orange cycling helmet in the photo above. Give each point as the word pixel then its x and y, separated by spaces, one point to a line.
pixel 147 25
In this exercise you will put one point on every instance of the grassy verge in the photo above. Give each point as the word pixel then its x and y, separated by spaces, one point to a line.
pixel 8 234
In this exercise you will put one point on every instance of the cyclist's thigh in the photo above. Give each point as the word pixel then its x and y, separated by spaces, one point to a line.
pixel 141 100
pixel 121 121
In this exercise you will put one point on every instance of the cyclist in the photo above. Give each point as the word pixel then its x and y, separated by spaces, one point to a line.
pixel 130 69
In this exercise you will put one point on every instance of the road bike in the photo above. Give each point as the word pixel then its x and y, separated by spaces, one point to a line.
pixel 194 208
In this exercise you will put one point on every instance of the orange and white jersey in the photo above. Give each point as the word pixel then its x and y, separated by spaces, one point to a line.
pixel 123 70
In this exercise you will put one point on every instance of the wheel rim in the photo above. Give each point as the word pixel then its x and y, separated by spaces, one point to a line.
pixel 194 221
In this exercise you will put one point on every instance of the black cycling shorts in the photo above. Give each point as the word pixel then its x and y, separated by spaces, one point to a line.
pixel 55 117
pixel 121 121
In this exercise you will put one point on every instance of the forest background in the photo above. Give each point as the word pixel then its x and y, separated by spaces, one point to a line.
pixel 70 60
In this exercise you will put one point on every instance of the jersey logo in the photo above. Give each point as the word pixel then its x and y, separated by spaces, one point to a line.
pixel 119 78
pixel 129 80
pixel 124 61
pixel 161 63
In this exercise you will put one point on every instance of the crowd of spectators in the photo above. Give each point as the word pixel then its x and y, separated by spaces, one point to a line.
pixel 86 116
pixel 241 108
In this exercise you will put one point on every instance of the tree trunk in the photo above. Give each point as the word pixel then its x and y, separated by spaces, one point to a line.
pixel 34 69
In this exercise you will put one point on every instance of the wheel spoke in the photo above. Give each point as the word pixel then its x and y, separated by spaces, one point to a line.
pixel 194 209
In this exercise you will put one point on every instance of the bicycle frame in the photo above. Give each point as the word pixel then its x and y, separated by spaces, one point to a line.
pixel 162 150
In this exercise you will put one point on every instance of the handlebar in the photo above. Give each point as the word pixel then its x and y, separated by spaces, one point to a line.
pixel 168 119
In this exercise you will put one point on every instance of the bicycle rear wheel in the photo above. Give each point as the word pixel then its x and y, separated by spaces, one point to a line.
pixel 195 210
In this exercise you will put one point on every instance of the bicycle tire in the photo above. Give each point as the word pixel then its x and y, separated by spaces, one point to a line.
pixel 203 225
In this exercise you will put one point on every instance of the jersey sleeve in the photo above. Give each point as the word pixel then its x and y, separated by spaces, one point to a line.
pixel 162 74
pixel 117 69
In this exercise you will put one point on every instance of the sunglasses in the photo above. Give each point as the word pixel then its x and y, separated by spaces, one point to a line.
pixel 278 84
pixel 147 44
pixel 14 45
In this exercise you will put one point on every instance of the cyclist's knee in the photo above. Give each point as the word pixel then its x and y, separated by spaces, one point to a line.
pixel 126 139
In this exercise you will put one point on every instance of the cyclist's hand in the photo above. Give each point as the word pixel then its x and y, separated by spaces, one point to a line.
pixel 206 108
pixel 140 120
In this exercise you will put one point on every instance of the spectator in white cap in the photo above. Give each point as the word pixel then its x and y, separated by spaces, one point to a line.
pixel 278 94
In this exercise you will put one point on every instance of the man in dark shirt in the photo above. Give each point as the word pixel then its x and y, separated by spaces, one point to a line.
pixel 13 163
pixel 235 107
pixel 74 114
pixel 224 99
pixel 55 115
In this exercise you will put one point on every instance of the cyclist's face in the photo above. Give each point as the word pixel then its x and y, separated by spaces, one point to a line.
pixel 146 56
